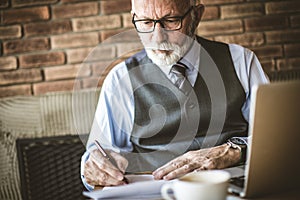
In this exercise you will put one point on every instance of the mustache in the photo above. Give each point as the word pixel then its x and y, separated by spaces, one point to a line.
pixel 162 46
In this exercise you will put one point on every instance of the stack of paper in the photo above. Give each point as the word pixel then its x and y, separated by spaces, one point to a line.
pixel 139 187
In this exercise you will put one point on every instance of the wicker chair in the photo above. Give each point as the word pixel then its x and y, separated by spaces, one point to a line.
pixel 51 115
pixel 49 167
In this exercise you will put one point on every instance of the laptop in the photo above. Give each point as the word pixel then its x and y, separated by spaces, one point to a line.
pixel 273 158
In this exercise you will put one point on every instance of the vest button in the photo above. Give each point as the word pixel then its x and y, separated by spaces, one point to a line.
pixel 192 105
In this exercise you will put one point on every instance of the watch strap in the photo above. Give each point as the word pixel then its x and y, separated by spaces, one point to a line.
pixel 242 148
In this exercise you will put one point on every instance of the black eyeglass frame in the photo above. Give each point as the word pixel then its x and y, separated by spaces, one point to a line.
pixel 160 21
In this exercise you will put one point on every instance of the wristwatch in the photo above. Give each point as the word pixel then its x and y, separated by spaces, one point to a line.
pixel 238 143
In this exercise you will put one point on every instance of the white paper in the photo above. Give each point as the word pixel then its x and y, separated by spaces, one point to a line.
pixel 139 178
pixel 139 187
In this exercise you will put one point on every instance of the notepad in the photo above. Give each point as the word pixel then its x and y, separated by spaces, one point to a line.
pixel 139 187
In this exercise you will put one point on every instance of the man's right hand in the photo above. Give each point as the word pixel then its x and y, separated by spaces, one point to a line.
pixel 98 171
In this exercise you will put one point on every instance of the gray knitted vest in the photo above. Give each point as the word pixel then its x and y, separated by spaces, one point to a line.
pixel 169 122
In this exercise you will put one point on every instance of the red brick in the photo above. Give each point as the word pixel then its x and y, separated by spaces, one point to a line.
pixel 220 27
pixel 292 50
pixel 211 12
pixel 45 87
pixel 22 46
pixel 218 2
pixel 39 60
pixel 282 7
pixel 102 52
pixel 289 63
pixel 26 15
pixel 77 55
pixel 127 20
pixel 266 23
pixel 123 49
pixel 75 10
pixel 10 32
pixel 21 3
pixel 4 3
pixel 47 28
pixel 268 65
pixel 295 21
pixel 8 63
pixel 96 23
pixel 74 40
pixel 268 51
pixel 100 68
pixel 119 35
pixel 92 82
pixel 283 36
pixel 106 34
pixel 67 72
pixel 242 10
pixel 247 39
pixel 115 6
pixel 20 76
pixel 15 90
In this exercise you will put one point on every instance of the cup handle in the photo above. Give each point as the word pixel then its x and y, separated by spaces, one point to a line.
pixel 165 189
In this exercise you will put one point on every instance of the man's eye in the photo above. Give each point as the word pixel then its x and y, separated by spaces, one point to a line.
pixel 171 21
pixel 147 22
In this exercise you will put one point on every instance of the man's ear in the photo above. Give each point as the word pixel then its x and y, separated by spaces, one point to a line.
pixel 199 10
pixel 198 13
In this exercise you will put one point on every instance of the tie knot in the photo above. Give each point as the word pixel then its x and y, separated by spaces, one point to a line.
pixel 179 68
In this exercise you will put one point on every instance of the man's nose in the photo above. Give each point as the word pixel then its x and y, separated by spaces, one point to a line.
pixel 159 33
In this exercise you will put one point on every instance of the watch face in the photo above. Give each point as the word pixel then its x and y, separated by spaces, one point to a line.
pixel 237 141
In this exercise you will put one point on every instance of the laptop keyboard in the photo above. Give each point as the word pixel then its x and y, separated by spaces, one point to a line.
pixel 238 181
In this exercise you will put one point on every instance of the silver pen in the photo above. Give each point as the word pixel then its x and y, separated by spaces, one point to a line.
pixel 108 157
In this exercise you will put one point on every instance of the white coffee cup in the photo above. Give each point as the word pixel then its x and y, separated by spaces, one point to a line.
pixel 202 185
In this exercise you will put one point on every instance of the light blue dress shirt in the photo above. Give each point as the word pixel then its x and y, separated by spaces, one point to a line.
pixel 114 116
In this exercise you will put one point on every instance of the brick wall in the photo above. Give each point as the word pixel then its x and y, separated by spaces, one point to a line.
pixel 43 43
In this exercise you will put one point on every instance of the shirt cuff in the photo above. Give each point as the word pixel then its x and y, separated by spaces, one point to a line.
pixel 84 158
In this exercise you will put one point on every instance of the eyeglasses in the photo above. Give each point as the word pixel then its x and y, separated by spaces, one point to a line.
pixel 168 23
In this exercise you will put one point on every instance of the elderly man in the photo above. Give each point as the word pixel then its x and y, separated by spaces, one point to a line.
pixel 179 105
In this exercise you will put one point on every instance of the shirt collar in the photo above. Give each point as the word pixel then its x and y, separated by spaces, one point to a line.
pixel 191 58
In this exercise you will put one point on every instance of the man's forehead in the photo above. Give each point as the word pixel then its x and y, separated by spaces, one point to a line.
pixel 178 3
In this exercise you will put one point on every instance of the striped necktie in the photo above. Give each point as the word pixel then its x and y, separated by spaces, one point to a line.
pixel 178 77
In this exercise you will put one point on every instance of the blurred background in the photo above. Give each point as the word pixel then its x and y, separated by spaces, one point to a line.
pixel 43 49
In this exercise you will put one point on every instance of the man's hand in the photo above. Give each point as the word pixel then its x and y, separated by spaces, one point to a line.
pixel 98 171
pixel 211 158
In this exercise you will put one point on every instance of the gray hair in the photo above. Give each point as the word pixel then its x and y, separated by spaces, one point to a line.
pixel 192 2
pixel 195 2
pixel 193 26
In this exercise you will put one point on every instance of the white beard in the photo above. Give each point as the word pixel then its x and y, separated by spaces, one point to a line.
pixel 164 60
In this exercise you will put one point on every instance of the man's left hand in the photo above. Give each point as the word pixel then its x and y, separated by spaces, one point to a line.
pixel 218 157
